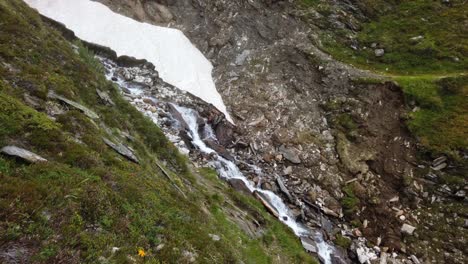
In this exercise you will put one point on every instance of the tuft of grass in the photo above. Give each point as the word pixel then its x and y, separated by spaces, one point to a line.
pixel 441 122
pixel 349 202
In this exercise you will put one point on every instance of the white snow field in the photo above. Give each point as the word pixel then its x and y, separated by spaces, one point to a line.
pixel 177 60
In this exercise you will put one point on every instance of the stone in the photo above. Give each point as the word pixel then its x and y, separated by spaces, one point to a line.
pixel 284 189
pixel 239 185
pixel 329 211
pixel 440 166
pixel 415 259
pixel 357 232
pixel 439 160
pixel 460 194
pixel 407 229
pixel 159 247
pixel 76 105
pixel 379 52
pixel 22 153
pixel 122 150
pixel 241 58
pixel 309 245
pixel 290 155
pixel 260 196
pixel 365 255
pixel 105 97
pixel 417 38
pixel 287 170
pixel 214 237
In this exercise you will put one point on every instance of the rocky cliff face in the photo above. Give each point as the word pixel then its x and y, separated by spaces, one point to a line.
pixel 333 135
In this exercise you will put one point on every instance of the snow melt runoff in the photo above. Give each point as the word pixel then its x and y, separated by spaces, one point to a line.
pixel 177 60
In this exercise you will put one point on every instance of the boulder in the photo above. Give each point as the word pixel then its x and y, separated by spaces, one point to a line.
pixel 22 153
pixel 239 185
pixel 290 154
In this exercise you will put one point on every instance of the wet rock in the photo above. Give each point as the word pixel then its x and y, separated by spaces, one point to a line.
pixel 76 105
pixel 22 153
pixel 219 149
pixel 290 155
pixel 265 201
pixel 122 150
pixel 224 133
pixel 239 185
pixel 309 244
pixel 178 116
pixel 407 229
pixel 283 189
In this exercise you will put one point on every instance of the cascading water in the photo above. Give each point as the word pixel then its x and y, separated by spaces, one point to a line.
pixel 229 170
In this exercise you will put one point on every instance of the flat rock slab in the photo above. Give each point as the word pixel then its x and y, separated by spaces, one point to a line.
pixel 122 150
pixel 76 105
pixel 264 200
pixel 290 154
pixel 284 189
pixel 22 153
pixel 309 244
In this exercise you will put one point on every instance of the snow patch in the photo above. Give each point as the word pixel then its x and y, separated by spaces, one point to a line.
pixel 176 59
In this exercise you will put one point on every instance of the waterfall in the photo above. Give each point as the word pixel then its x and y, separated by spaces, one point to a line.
pixel 228 170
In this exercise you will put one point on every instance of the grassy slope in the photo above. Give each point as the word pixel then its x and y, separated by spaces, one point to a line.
pixel 88 199
pixel 419 66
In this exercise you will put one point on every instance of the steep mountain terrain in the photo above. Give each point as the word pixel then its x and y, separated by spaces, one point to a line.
pixel 364 140
pixel 354 112
pixel 108 186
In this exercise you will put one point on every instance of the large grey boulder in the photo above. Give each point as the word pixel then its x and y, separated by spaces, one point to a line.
pixel 22 153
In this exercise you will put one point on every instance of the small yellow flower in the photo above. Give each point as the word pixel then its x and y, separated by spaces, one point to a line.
pixel 141 253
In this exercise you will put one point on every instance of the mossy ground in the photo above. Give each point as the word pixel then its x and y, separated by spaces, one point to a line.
pixel 88 199
pixel 418 37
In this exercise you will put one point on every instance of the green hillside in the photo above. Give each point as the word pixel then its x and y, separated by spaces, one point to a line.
pixel 87 203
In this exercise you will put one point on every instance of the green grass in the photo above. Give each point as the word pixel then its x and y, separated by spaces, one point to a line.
pixel 442 49
pixel 441 122
pixel 349 202
pixel 88 199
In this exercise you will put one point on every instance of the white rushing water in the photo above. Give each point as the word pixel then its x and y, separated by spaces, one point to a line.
pixel 228 170
pixel 176 59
